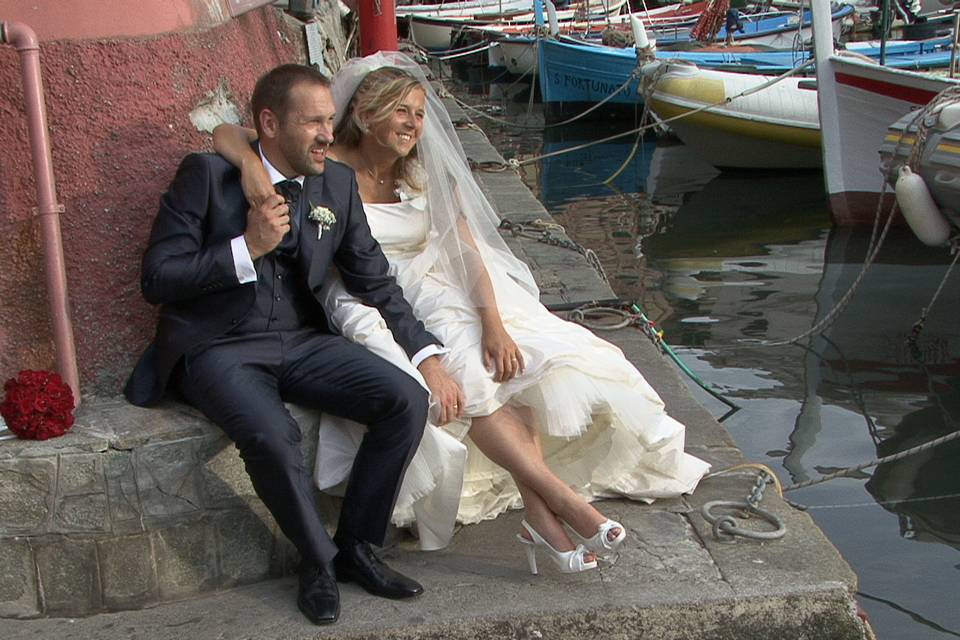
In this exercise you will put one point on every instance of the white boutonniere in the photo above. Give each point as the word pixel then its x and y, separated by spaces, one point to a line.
pixel 323 216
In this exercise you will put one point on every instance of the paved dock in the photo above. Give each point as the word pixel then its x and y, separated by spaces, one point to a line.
pixel 673 580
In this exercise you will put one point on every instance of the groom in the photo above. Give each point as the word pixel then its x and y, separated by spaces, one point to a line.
pixel 240 332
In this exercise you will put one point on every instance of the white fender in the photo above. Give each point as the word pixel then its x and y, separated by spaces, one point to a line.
pixel 639 33
pixel 552 18
pixel 920 211
pixel 949 116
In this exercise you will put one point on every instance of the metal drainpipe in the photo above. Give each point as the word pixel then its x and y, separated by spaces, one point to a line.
pixel 25 41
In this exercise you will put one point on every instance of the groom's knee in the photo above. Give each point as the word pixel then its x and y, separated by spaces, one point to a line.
pixel 410 404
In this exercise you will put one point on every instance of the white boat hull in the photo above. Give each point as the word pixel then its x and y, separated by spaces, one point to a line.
pixel 775 128
pixel 519 58
pixel 859 100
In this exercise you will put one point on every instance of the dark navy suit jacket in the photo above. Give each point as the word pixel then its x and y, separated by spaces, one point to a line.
pixel 188 267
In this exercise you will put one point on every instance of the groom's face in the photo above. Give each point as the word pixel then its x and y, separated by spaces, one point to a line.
pixel 304 133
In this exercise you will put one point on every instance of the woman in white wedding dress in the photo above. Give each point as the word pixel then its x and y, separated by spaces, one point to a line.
pixel 552 416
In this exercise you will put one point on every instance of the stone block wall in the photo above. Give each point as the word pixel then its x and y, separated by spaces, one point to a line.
pixel 131 508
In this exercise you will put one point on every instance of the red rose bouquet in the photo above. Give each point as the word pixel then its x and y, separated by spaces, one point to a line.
pixel 38 405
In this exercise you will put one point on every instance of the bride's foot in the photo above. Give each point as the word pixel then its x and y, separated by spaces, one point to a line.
pixel 594 530
pixel 609 535
pixel 572 561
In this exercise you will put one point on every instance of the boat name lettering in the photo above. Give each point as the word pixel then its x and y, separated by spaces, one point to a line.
pixel 584 84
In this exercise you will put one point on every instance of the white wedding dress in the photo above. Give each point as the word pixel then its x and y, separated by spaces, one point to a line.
pixel 603 428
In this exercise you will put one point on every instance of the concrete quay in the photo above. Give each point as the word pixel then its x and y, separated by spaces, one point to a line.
pixel 189 542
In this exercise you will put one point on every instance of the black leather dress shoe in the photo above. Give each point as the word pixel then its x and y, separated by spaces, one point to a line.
pixel 318 596
pixel 357 562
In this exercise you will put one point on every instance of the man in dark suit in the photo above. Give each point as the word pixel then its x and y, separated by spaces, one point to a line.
pixel 240 332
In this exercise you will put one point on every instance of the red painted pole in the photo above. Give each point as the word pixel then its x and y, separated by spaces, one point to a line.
pixel 378 26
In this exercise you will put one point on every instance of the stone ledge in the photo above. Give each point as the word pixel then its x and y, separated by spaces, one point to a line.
pixel 131 508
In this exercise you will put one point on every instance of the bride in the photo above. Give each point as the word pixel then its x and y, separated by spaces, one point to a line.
pixel 551 416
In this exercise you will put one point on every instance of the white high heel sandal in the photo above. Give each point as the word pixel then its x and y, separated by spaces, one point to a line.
pixel 566 561
pixel 599 543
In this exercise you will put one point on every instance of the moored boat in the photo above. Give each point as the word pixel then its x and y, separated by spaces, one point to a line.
pixel 858 101
pixel 773 128
pixel 437 33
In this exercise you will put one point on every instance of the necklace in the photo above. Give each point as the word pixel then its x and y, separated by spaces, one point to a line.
pixel 367 166
pixel 374 176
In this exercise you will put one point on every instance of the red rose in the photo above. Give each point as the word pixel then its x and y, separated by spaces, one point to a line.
pixel 38 405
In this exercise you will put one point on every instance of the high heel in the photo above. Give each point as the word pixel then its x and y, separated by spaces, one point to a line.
pixel 599 543
pixel 566 561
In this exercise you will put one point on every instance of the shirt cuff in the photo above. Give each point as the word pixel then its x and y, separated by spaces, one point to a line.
pixel 426 352
pixel 242 263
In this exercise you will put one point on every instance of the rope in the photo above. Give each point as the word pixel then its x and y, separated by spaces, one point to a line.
pixel 891 458
pixel 919 324
pixel 857 505
pixel 462 54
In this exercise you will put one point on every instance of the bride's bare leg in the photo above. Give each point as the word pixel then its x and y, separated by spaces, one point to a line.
pixel 511 442
pixel 587 518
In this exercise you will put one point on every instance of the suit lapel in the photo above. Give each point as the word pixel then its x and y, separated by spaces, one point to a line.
pixel 313 195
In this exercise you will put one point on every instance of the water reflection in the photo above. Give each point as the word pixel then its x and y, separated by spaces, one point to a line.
pixel 914 487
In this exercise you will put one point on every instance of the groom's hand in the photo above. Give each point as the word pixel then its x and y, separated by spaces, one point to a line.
pixel 266 225
pixel 444 389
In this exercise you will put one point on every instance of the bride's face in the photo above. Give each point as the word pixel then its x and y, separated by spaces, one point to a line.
pixel 400 132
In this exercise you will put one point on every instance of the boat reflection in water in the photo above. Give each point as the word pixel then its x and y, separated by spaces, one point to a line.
pixel 911 379
pixel 923 489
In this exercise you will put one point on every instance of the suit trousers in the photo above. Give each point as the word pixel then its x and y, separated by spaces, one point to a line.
pixel 241 382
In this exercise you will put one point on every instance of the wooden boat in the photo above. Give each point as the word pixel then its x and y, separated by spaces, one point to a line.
pixel 858 101
pixel 517 53
pixel 436 33
pixel 776 29
pixel 464 8
pixel 774 128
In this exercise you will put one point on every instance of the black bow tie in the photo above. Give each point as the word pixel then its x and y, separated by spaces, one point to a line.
pixel 290 190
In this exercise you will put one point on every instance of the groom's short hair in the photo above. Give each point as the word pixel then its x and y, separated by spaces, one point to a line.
pixel 272 90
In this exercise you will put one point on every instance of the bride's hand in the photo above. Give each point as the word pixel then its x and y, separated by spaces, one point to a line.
pixel 255 182
pixel 500 353
pixel 444 389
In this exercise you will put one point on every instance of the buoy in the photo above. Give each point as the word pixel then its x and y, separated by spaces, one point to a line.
pixel 552 18
pixel 920 211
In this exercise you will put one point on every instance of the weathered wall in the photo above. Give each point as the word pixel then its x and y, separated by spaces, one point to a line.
pixel 53 20
pixel 119 118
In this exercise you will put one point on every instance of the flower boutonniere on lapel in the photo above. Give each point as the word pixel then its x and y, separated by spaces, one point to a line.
pixel 323 216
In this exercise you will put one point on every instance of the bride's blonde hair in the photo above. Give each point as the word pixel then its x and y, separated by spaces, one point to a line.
pixel 376 98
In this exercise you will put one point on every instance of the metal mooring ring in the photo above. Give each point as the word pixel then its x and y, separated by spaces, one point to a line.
pixel 726 524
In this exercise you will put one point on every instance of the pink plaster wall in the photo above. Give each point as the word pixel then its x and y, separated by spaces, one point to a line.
pixel 118 112
pixel 57 20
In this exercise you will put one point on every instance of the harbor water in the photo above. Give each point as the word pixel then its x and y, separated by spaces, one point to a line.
pixel 725 264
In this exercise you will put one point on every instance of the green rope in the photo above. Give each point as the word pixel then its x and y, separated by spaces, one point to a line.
pixel 657 337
